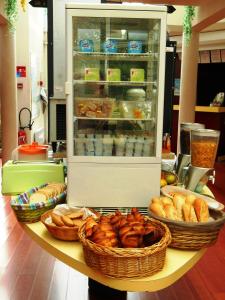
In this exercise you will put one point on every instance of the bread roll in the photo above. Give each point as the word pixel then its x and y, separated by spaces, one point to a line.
pixel 171 212
pixel 193 217
pixel 57 220
pixel 76 215
pixel 201 210
pixel 190 199
pixel 189 213
pixel 157 209
pixel 67 221
pixel 166 200
pixel 78 222
pixel 156 200
pixel 179 201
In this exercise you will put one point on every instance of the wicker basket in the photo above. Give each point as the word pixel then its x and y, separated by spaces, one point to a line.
pixel 61 233
pixel 194 236
pixel 30 213
pixel 126 262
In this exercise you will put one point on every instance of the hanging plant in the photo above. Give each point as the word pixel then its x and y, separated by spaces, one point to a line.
pixel 189 14
pixel 11 10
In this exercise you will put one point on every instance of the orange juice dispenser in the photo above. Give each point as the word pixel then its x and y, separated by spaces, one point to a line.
pixel 203 147
pixel 184 158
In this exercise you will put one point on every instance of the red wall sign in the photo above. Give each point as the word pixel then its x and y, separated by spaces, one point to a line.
pixel 20 71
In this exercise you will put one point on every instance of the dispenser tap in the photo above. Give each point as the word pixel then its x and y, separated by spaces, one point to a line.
pixel 212 177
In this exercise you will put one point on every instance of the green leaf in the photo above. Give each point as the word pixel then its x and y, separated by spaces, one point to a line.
pixel 11 10
pixel 189 14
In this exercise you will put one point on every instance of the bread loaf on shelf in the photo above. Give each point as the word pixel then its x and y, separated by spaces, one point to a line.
pixel 181 208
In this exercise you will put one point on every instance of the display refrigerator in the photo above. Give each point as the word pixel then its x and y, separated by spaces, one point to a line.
pixel 115 93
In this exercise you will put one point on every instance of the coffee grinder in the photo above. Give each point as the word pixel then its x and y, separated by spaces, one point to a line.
pixel 184 158
pixel 203 146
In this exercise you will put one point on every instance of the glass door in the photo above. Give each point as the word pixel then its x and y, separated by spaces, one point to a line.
pixel 115 86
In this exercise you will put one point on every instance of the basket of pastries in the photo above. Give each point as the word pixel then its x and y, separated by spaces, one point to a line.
pixel 63 222
pixel 30 205
pixel 125 246
pixel 193 225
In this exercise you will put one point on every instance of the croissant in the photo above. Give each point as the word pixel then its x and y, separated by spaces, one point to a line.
pixel 131 234
pixel 152 234
pixel 131 239
pixel 90 223
pixel 137 215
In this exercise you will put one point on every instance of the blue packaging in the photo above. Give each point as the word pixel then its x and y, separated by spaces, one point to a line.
pixel 86 45
pixel 110 46
pixel 134 47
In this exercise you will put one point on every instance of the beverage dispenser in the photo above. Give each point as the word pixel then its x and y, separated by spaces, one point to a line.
pixel 184 158
pixel 203 148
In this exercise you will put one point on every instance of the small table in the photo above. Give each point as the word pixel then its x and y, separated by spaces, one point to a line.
pixel 177 262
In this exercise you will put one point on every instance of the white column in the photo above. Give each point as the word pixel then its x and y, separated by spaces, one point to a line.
pixel 188 86
pixel 9 115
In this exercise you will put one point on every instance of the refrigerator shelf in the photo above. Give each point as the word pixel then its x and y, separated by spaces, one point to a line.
pixel 117 56
pixel 116 83
pixel 114 119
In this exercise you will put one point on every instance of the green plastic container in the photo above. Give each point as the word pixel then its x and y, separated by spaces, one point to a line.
pixel 18 177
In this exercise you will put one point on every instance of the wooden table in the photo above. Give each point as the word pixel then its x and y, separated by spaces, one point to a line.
pixel 177 262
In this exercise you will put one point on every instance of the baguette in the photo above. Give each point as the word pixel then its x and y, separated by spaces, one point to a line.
pixel 171 212
pixel 166 200
pixel 156 200
pixel 189 213
pixel 179 201
pixel 190 199
pixel 157 209
pixel 201 210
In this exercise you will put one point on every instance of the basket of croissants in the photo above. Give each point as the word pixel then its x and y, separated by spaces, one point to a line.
pixel 192 224
pixel 125 246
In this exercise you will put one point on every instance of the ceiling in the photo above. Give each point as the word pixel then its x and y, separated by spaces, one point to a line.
pixel 175 2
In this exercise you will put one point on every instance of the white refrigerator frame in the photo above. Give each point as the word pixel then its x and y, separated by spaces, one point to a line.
pixel 113 181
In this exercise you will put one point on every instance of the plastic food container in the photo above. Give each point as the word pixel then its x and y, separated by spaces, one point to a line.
pixel 134 47
pixel 92 74
pixel 185 135
pixel 204 144
pixel 86 45
pixel 135 109
pixel 113 75
pixel 110 46
pixel 94 107
pixel 136 94
pixel 32 151
pixel 137 74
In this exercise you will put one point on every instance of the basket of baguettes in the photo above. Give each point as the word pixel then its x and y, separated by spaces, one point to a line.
pixel 125 246
pixel 192 224
pixel 30 205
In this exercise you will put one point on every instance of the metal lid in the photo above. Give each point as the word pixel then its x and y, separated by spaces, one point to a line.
pixel 192 126
pixel 206 132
